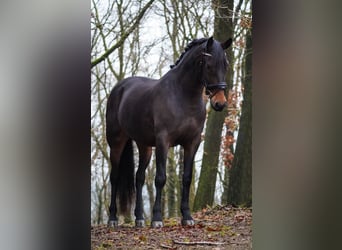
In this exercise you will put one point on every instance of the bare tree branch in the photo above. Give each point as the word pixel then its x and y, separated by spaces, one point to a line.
pixel 124 35
pixel 237 10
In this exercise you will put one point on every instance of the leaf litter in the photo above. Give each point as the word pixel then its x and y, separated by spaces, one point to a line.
pixel 220 227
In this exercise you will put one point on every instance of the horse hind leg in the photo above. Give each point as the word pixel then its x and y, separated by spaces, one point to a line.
pixel 116 149
pixel 144 159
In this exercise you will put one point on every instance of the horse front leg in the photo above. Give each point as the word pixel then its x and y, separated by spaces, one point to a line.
pixel 189 154
pixel 160 180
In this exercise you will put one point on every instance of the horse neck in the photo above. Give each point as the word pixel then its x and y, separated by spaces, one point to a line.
pixel 189 79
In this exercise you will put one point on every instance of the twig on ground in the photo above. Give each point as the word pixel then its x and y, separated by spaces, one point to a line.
pixel 198 243
pixel 167 247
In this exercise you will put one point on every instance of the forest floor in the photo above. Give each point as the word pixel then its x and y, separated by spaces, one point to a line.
pixel 218 228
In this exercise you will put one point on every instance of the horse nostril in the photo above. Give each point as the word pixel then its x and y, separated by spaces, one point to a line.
pixel 219 106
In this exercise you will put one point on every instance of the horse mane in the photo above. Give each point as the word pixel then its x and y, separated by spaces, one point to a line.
pixel 192 44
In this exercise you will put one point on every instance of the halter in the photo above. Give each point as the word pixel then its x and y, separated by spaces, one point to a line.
pixel 212 89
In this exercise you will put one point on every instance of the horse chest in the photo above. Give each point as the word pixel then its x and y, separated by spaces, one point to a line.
pixel 185 131
pixel 187 125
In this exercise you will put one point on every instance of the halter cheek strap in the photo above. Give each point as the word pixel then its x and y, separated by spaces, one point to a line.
pixel 212 89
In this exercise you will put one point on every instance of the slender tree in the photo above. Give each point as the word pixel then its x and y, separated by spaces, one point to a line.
pixel 150 183
pixel 171 184
pixel 241 15
pixel 240 184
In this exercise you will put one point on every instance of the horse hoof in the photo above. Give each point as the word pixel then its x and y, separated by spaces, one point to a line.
pixel 139 223
pixel 188 223
pixel 113 224
pixel 156 224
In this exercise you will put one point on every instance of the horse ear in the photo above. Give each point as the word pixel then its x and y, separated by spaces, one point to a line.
pixel 209 43
pixel 226 44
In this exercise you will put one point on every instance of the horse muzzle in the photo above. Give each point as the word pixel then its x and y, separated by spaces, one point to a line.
pixel 217 96
pixel 218 105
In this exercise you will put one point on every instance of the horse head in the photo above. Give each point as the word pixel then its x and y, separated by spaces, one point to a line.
pixel 214 69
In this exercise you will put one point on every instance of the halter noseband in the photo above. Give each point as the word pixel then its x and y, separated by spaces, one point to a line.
pixel 212 89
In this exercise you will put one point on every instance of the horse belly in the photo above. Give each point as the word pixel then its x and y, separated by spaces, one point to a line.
pixel 142 136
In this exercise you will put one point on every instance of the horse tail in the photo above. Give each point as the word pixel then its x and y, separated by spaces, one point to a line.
pixel 126 186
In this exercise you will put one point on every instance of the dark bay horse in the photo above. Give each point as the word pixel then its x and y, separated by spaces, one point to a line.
pixel 162 113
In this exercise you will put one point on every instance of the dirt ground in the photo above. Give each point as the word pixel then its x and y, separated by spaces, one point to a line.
pixel 218 228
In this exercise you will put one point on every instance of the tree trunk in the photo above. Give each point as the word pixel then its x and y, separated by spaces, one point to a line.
pixel 224 198
pixel 192 189
pixel 240 184
pixel 150 184
pixel 180 177
pixel 223 29
pixel 99 214
pixel 171 184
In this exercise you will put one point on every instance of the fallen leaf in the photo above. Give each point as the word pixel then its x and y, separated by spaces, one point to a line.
pixel 143 238
pixel 213 229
